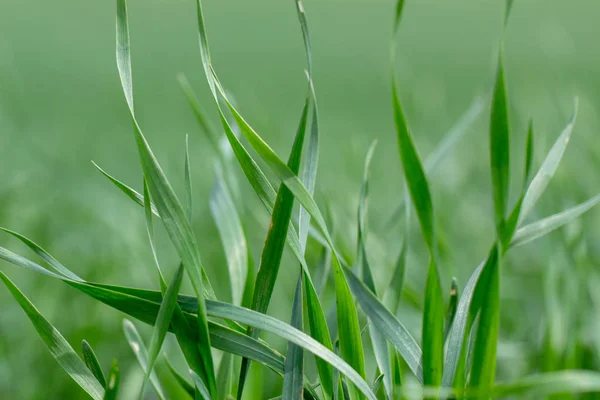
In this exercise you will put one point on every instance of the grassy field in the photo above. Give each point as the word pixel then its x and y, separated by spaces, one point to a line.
pixel 61 106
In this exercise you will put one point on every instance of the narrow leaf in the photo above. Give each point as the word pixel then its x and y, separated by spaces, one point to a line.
pixel 60 349
pixel 294 362
pixel 200 387
pixel 112 386
pixel 225 378
pixel 188 181
pixel 91 361
pixel 451 311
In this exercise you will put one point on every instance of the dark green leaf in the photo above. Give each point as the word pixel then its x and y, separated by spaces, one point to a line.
pixel 91 361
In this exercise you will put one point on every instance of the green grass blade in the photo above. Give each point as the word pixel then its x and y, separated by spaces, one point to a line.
pixel 232 236
pixel 548 168
pixel 433 329
pixel 544 226
pixel 128 191
pixel 141 353
pixel 163 320
pixel 509 4
pixel 44 255
pixel 270 259
pixel 172 214
pixel 451 310
pixel 225 378
pixel 528 154
pixel 467 306
pixel 185 385
pixel 500 148
pixel 188 181
pixel 91 361
pixel 486 337
pixel 294 361
pixel 398 14
pixel 60 349
pixel 392 294
pixel 388 324
pixel 112 386
pixel 201 388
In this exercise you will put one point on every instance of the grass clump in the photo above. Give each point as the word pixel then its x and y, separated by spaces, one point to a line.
pixel 456 356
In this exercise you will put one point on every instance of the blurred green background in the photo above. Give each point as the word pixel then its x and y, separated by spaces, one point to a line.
pixel 61 106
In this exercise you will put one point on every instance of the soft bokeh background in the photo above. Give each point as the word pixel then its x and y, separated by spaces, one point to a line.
pixel 61 106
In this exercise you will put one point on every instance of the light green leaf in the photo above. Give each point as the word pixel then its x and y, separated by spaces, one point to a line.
pixel 60 349
pixel 548 168
pixel 185 385
pixel 200 387
pixel 225 377
pixel 139 349
pixel 544 226
pixel 188 181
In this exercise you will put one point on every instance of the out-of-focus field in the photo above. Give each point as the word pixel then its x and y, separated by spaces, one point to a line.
pixel 61 106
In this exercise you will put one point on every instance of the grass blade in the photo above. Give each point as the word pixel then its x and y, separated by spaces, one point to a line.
pixel 188 181
pixel 60 349
pixel 484 351
pixel 232 236
pixel 388 324
pixel 392 294
pixel 552 383
pixel 294 362
pixel 185 385
pixel 201 388
pixel 112 386
pixel 141 353
pixel 548 168
pixel 528 154
pixel 91 361
pixel 163 320
pixel 544 226
pixel 500 148
pixel 433 329
pixel 452 304
pixel 167 204
pixel 225 378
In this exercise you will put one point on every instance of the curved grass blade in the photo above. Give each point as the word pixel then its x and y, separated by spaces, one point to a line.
pixel 163 320
pixel 112 386
pixel 388 324
pixel 544 226
pixel 548 168
pixel 201 388
pixel 509 4
pixel 433 329
pixel 60 349
pixel 44 255
pixel 294 361
pixel 167 204
pixel 500 148
pixel 91 361
pixel 139 349
pixel 128 191
pixel 232 236
pixel 528 154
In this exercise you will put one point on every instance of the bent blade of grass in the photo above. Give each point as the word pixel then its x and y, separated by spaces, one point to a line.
pixel 500 148
pixel 548 168
pixel 128 191
pixel 389 325
pixel 294 361
pixel 167 204
pixel 91 361
pixel 141 353
pixel 232 236
pixel 185 385
pixel 114 378
pixel 163 320
pixel 486 336
pixel 544 226
pixel 44 255
pixel 57 345
pixel 201 388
